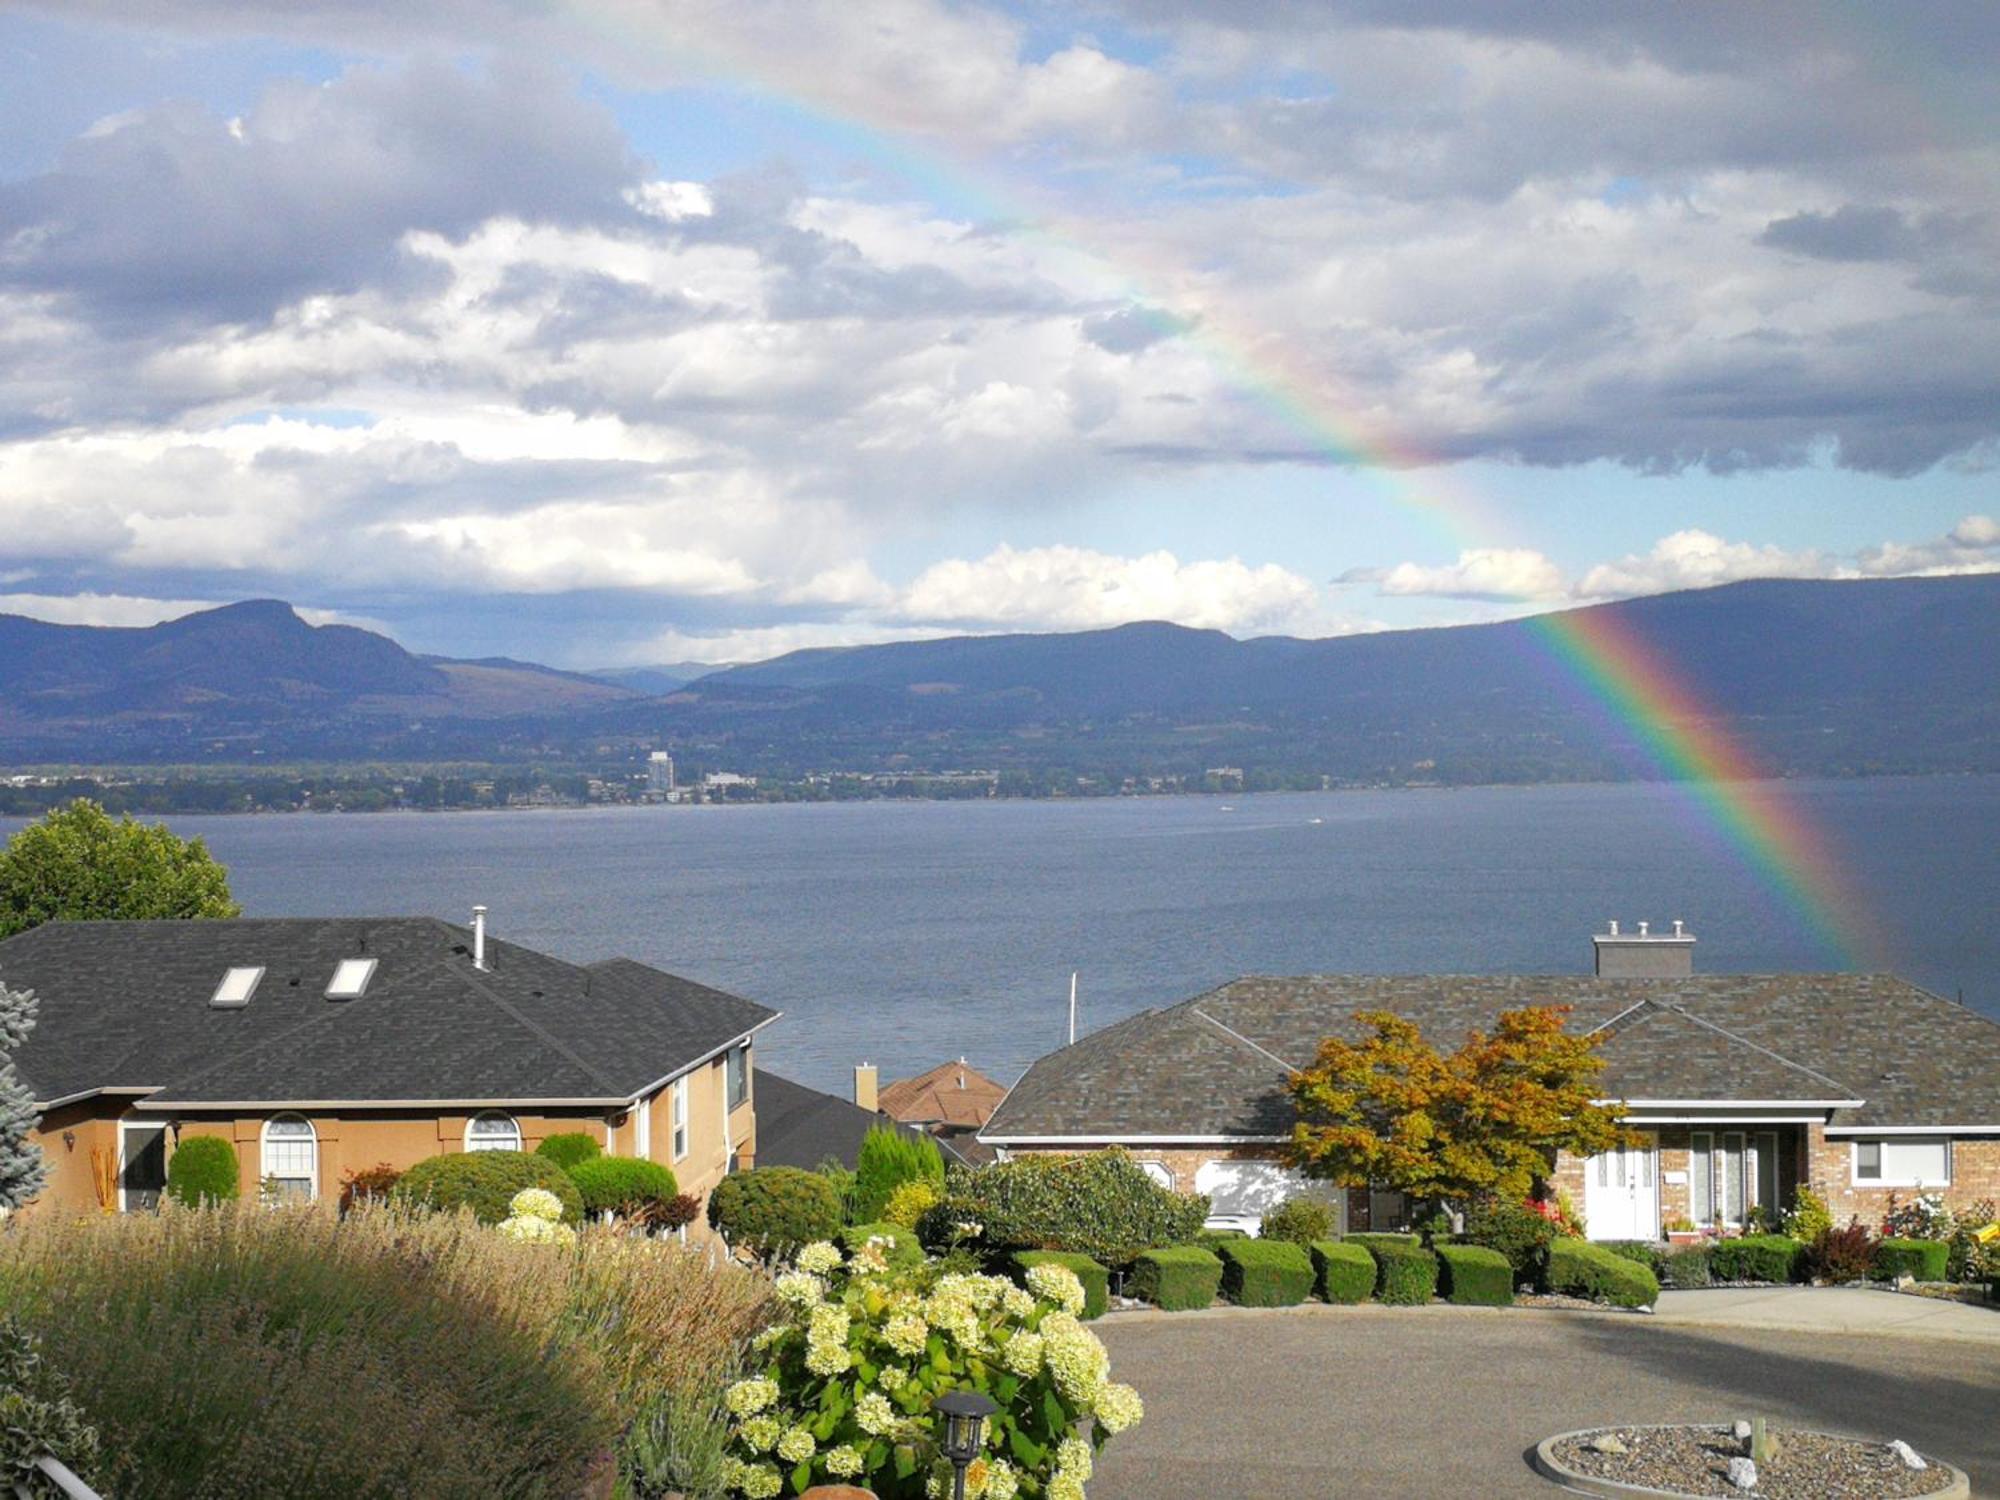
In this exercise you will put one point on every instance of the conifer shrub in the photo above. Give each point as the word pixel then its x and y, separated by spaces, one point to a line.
pixel 772 1211
pixel 1922 1259
pixel 485 1182
pixel 1343 1272
pixel 569 1147
pixel 203 1169
pixel 888 1159
pixel 1474 1276
pixel 1095 1278
pixel 1265 1273
pixel 1580 1269
pixel 1405 1272
pixel 1178 1278
pixel 1776 1258
pixel 625 1187
pixel 1300 1220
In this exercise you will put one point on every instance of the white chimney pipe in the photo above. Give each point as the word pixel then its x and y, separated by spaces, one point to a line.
pixel 1678 932
pixel 1642 928
pixel 479 937
pixel 1614 927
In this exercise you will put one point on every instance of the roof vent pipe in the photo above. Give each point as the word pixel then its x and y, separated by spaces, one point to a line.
pixel 1614 927
pixel 1643 926
pixel 479 937
pixel 1679 928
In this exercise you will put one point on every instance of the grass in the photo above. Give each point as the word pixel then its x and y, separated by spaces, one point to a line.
pixel 238 1351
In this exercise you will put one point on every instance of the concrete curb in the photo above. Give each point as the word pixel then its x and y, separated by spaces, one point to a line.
pixel 1550 1467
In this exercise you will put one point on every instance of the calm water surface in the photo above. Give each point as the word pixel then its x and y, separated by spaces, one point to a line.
pixel 906 933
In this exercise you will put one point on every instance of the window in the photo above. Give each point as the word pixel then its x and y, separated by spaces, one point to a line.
pixel 492 1131
pixel 1701 1178
pixel 291 1157
pixel 350 978
pixel 237 986
pixel 737 1069
pixel 1159 1171
pixel 677 1099
pixel 1919 1161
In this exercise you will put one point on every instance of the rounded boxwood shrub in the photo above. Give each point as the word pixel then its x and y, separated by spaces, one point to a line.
pixel 1101 1204
pixel 1649 1253
pixel 772 1211
pixel 1265 1273
pixel 624 1186
pixel 203 1169
pixel 1405 1272
pixel 1095 1278
pixel 1343 1272
pixel 1775 1258
pixel 1687 1267
pixel 1923 1259
pixel 1581 1269
pixel 1300 1220
pixel 485 1182
pixel 1178 1278
pixel 1513 1229
pixel 569 1148
pixel 1475 1276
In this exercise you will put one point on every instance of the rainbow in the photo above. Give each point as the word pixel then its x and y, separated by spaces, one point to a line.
pixel 1646 706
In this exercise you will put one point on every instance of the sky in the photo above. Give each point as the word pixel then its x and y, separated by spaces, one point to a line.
pixel 642 331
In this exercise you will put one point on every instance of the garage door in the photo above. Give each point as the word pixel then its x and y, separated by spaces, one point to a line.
pixel 1242 1192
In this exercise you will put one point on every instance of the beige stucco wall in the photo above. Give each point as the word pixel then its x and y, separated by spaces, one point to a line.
pixel 89 1124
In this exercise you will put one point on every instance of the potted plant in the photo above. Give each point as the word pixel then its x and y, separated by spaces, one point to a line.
pixel 1681 1231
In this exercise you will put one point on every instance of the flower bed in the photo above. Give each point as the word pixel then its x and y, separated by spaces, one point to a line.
pixel 1694 1461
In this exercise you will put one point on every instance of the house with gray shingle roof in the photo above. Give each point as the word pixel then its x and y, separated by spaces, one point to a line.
pixel 1744 1087
pixel 320 1047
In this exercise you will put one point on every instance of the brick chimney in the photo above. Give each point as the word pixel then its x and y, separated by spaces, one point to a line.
pixel 864 1087
pixel 1644 954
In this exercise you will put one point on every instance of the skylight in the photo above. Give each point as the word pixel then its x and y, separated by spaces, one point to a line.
pixel 350 978
pixel 237 987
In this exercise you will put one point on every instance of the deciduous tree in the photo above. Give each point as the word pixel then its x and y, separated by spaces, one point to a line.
pixel 1392 1111
pixel 79 864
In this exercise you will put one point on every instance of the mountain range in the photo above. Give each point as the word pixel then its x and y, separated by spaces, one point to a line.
pixel 1815 677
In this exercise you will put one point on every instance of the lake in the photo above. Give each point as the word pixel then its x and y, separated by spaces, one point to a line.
pixel 906 933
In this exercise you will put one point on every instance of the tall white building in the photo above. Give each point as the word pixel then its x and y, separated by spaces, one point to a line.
pixel 660 772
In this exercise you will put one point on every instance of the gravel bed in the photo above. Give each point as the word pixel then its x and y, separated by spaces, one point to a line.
pixel 1695 1461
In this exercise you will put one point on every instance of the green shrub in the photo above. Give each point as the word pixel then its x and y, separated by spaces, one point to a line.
pixel 679 1446
pixel 1095 1278
pixel 485 1182
pixel 1405 1272
pixel 1300 1220
pixel 38 1419
pixel 904 1248
pixel 1775 1258
pixel 569 1148
pixel 1513 1229
pixel 1343 1272
pixel 1265 1273
pixel 1652 1254
pixel 1923 1259
pixel 911 1201
pixel 1581 1269
pixel 1474 1276
pixel 625 1187
pixel 771 1211
pixel 1686 1268
pixel 890 1157
pixel 1809 1217
pixel 1101 1204
pixel 1210 1239
pixel 203 1169
pixel 1178 1278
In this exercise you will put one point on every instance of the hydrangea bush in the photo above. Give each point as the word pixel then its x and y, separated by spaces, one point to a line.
pixel 534 1215
pixel 852 1374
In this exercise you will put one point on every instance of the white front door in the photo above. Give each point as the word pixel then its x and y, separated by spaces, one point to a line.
pixel 1621 1195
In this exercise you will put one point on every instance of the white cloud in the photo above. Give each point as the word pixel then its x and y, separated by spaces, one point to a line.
pixel 1696 559
pixel 1492 573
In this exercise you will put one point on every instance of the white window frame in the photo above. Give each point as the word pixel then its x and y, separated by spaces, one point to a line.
pixel 311 1138
pixel 360 970
pixel 487 1143
pixel 166 1140
pixel 677 1118
pixel 735 1059
pixel 1160 1172
pixel 1883 1144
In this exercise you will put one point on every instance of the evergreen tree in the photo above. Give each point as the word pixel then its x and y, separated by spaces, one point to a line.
pixel 22 1172
pixel 888 1159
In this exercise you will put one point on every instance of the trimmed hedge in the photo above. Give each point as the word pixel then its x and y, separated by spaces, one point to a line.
pixel 1101 1204
pixel 1405 1272
pixel 485 1182
pixel 1209 1239
pixel 1775 1258
pixel 1178 1279
pixel 624 1185
pixel 1474 1276
pixel 203 1170
pixel 1095 1278
pixel 1265 1273
pixel 1343 1271
pixel 569 1147
pixel 905 1249
pixel 772 1211
pixel 1923 1259
pixel 1652 1254
pixel 1581 1269
pixel 1687 1267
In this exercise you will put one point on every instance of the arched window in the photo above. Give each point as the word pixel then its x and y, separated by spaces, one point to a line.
pixel 1159 1171
pixel 492 1131
pixel 290 1166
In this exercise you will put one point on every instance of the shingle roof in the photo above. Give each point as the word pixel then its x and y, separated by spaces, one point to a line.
pixel 953 1093
pixel 1216 1065
pixel 126 1004
pixel 802 1127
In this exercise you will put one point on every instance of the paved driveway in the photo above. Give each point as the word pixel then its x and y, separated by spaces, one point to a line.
pixel 1446 1402
pixel 1832 1309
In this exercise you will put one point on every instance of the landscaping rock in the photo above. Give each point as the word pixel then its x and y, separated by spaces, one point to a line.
pixel 1743 1473
pixel 1910 1457
pixel 1741 1432
pixel 1706 1461
pixel 1607 1442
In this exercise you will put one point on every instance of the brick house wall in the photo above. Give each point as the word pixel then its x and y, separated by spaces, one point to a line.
pixel 1975 1175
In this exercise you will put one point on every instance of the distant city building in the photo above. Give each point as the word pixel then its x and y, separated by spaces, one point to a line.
pixel 723 780
pixel 660 772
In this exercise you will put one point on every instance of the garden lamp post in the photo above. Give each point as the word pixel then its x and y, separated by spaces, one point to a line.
pixel 965 1414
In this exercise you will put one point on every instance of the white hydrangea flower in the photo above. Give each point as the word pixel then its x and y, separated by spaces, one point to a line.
pixel 1022 1353
pixel 535 1203
pixel 843 1462
pixel 1065 1487
pixel 1076 1360
pixel 906 1333
pixel 1057 1284
pixel 820 1257
pixel 1002 1483
pixel 829 1324
pixel 1073 1457
pixel 873 1414
pixel 826 1358
pixel 763 1482
pixel 759 1434
pixel 801 1289
pixel 1017 1302
pixel 891 1377
pixel 797 1445
pixel 1118 1407
pixel 528 1230
pixel 747 1397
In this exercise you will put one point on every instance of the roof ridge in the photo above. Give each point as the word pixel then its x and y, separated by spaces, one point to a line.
pixel 1290 1068
pixel 480 987
pixel 1755 1046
